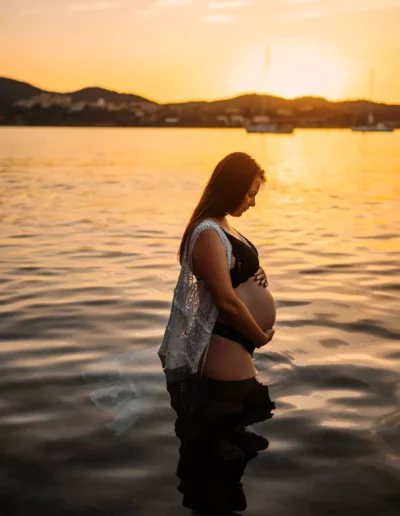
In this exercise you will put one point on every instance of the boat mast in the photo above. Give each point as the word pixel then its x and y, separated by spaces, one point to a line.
pixel 371 95
pixel 266 76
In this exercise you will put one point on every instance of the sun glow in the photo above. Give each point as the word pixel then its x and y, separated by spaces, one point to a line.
pixel 296 69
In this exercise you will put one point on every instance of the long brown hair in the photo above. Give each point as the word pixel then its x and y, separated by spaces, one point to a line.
pixel 224 192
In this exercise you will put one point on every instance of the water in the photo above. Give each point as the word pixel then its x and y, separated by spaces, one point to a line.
pixel 91 221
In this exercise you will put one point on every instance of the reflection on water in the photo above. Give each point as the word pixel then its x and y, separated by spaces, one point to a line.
pixel 215 445
pixel 90 227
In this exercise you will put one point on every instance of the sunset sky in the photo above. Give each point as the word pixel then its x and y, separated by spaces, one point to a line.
pixel 177 50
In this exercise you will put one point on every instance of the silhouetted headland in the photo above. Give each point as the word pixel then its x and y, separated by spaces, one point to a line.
pixel 24 104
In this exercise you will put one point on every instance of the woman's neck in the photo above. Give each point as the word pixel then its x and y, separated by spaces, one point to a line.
pixel 222 221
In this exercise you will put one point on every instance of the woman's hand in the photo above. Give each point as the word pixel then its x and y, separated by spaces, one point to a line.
pixel 268 336
pixel 261 277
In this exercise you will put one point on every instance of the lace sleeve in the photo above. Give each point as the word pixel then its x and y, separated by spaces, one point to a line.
pixel 208 224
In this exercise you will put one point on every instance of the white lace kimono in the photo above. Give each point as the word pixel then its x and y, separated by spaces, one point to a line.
pixel 193 315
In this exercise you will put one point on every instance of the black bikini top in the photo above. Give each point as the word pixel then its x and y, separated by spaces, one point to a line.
pixel 246 260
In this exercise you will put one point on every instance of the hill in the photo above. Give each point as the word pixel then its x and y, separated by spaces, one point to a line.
pixel 92 94
pixel 11 91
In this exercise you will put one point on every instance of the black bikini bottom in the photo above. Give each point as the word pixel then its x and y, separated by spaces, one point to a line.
pixel 223 330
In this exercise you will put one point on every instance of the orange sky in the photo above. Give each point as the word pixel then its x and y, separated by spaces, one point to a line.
pixel 176 50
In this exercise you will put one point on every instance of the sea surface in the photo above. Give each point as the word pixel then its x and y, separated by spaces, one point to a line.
pixel 91 221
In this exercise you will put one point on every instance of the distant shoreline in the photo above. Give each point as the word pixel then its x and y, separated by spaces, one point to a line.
pixel 105 126
pixel 23 105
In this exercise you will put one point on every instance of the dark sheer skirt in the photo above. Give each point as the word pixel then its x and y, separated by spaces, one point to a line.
pixel 214 444
pixel 210 410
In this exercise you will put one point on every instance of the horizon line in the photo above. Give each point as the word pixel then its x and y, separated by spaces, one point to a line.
pixel 348 99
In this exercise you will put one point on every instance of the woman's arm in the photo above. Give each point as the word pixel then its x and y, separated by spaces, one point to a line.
pixel 210 263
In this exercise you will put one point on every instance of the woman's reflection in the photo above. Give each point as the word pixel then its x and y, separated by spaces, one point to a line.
pixel 212 417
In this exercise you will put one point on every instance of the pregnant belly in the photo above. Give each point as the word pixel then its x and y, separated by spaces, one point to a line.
pixel 228 360
pixel 259 302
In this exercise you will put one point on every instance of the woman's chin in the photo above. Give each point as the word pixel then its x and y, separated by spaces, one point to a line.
pixel 238 214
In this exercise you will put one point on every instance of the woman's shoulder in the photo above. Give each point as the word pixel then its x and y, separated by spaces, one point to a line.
pixel 205 224
pixel 209 224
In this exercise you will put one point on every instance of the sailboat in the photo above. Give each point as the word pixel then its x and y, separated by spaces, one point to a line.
pixel 269 128
pixel 265 127
pixel 371 127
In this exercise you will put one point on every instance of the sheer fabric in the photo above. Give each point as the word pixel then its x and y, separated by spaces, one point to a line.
pixel 193 315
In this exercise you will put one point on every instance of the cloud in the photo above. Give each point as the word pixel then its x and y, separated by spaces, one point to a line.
pixel 229 4
pixel 304 1
pixel 220 18
pixel 157 6
pixel 174 3
pixel 326 8
pixel 95 6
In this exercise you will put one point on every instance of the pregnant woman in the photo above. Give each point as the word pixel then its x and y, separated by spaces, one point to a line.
pixel 222 309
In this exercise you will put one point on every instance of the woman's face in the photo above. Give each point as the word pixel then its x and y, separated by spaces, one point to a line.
pixel 249 199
